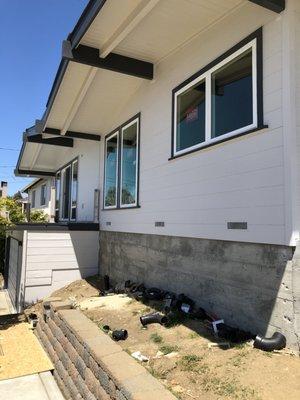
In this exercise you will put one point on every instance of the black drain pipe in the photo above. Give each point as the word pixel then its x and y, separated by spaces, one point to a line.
pixel 276 342
pixel 153 318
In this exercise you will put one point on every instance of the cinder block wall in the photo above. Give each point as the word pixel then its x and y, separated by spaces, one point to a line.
pixel 88 364
pixel 250 285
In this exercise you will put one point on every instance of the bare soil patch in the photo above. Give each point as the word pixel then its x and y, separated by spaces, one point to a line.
pixel 182 358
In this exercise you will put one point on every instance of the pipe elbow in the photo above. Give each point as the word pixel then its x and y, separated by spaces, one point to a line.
pixel 275 342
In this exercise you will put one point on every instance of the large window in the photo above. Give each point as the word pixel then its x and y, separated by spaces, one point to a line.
pixel 43 194
pixel 33 198
pixel 66 191
pixel 74 190
pixel 121 166
pixel 221 101
pixel 57 195
pixel 111 170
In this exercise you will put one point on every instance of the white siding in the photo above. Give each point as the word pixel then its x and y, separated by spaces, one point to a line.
pixel 296 86
pixel 87 152
pixel 54 259
pixel 38 206
pixel 240 180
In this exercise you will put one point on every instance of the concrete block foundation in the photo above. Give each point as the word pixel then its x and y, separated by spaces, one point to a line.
pixel 252 286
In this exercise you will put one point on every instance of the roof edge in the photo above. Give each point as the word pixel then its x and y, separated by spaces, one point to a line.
pixel 85 20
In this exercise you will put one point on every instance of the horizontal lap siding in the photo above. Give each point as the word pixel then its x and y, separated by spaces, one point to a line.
pixel 240 180
pixel 55 259
pixel 297 89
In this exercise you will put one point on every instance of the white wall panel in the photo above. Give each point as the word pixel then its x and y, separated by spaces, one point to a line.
pixel 240 180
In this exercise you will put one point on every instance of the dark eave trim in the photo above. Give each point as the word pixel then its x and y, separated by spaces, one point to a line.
pixel 60 226
pixel 85 20
pixel 274 5
pixel 29 172
pixel 56 141
pixel 113 62
pixel 56 84
pixel 72 134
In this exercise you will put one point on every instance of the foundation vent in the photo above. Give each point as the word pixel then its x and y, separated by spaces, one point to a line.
pixel 237 225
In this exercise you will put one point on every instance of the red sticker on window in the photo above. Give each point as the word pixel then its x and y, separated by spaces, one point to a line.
pixel 192 115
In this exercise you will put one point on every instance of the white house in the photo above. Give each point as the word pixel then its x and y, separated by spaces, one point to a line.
pixel 41 196
pixel 197 108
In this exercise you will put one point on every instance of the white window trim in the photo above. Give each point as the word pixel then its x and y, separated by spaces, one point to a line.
pixel 117 134
pixel 207 77
pixel 135 121
pixel 45 194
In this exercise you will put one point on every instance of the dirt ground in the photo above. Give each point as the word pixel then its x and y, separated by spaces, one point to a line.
pixel 182 358
pixel 20 352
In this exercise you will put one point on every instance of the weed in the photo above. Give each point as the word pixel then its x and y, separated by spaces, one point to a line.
pixel 190 362
pixel 156 338
pixel 238 359
pixel 158 373
pixel 193 335
pixel 228 388
pixel 145 310
pixel 131 301
pixel 176 394
pixel 167 349
pixel 267 354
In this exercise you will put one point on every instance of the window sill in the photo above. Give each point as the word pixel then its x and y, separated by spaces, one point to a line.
pixel 259 128
pixel 121 208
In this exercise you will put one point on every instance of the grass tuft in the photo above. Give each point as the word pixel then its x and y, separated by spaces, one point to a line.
pixel 156 338
pixel 167 349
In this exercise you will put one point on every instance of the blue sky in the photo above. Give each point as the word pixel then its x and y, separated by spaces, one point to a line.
pixel 31 32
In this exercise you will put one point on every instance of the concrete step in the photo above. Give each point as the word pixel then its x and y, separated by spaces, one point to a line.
pixel 50 386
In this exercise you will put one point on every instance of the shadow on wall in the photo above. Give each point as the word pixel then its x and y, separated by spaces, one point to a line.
pixel 248 285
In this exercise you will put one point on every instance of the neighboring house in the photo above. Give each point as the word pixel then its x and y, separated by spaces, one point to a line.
pixel 197 107
pixel 3 190
pixel 41 196
pixel 3 195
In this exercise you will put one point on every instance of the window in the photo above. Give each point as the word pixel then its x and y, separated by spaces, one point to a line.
pixel 57 195
pixel 33 199
pixel 221 101
pixel 129 159
pixel 121 166
pixel 111 170
pixel 66 191
pixel 74 190
pixel 43 194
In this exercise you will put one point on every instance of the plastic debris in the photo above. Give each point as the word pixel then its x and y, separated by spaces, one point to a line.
pixel 139 356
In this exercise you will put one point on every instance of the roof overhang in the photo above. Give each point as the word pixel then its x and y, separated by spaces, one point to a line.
pixel 31 185
pixel 113 49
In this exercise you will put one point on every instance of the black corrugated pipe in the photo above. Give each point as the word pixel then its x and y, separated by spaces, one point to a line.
pixel 276 342
pixel 120 334
pixel 153 318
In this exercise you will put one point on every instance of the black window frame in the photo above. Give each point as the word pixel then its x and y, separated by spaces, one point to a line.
pixel 33 198
pixel 258 37
pixel 118 131
pixel 59 209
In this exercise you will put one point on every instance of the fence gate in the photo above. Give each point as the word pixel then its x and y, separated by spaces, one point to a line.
pixel 14 271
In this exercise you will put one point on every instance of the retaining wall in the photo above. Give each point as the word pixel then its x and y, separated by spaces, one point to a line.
pixel 88 364
pixel 252 286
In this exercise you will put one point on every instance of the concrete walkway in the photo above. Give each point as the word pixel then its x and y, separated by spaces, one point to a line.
pixel 6 307
pixel 31 387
